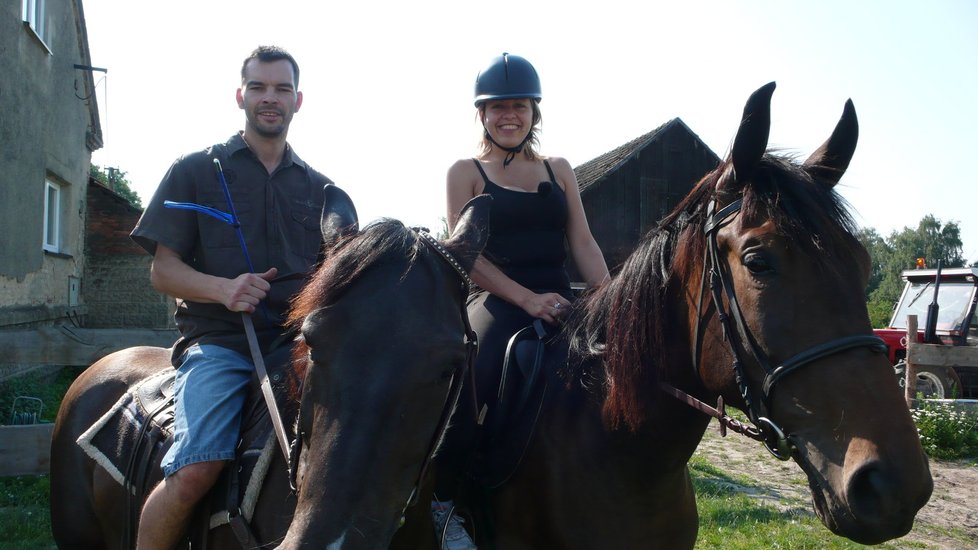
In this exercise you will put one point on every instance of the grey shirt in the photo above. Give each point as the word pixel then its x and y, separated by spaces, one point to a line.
pixel 279 217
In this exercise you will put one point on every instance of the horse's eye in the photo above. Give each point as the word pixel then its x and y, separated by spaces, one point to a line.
pixel 757 263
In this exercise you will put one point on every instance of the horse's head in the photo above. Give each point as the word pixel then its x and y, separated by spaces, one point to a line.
pixel 384 339
pixel 789 275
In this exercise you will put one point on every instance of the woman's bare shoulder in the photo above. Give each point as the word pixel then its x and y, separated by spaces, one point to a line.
pixel 559 163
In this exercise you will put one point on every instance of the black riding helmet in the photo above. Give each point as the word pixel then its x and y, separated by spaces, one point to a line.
pixel 507 77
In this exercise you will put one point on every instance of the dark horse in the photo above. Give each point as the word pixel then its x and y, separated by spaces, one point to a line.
pixel 751 290
pixel 383 337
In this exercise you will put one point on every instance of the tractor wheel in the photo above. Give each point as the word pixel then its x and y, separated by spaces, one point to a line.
pixel 938 383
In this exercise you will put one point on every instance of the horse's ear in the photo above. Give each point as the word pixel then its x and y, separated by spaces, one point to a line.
pixel 471 231
pixel 339 215
pixel 751 140
pixel 829 162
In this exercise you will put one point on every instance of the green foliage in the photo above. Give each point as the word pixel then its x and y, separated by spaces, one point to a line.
pixel 931 240
pixel 24 518
pixel 443 233
pixel 119 183
pixel 49 388
pixel 946 432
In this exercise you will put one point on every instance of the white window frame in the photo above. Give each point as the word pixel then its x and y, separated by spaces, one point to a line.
pixel 35 16
pixel 52 217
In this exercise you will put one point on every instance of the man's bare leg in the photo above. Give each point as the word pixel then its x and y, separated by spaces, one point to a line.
pixel 167 510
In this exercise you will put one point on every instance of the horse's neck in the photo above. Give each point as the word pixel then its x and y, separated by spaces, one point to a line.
pixel 665 440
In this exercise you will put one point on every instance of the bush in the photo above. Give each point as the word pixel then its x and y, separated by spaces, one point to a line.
pixel 946 432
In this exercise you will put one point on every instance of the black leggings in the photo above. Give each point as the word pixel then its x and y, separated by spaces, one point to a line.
pixel 494 321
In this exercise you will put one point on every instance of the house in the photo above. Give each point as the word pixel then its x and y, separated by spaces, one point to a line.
pixel 626 191
pixel 50 128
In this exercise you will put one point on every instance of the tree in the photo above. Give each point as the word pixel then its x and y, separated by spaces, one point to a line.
pixel 879 253
pixel 443 231
pixel 118 183
pixel 930 240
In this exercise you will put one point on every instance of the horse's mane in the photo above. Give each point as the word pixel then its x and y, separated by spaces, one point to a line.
pixel 383 241
pixel 629 323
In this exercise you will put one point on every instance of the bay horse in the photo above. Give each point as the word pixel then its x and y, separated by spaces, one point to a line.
pixel 751 290
pixel 384 344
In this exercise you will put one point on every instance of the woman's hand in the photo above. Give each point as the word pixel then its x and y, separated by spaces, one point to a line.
pixel 549 306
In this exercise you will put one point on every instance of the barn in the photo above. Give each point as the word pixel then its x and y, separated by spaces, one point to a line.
pixel 627 190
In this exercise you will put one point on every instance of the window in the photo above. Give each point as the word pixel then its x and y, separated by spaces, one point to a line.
pixel 34 11
pixel 52 217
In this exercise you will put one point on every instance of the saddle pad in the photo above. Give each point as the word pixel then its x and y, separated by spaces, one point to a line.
pixel 112 440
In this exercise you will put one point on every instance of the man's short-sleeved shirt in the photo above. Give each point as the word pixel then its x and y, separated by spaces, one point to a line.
pixel 279 218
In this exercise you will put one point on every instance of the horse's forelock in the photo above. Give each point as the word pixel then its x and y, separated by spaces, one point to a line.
pixel 806 211
pixel 352 255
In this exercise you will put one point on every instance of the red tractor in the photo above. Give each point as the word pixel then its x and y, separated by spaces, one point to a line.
pixel 944 302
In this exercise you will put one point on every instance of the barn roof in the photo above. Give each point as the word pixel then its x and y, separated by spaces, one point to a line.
pixel 598 167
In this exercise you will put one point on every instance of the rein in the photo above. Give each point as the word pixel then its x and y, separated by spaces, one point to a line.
pixel 736 331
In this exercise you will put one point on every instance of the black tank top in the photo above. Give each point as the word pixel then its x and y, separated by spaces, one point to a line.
pixel 527 232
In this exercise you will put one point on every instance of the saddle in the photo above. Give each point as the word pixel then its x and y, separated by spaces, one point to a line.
pixel 510 421
pixel 130 440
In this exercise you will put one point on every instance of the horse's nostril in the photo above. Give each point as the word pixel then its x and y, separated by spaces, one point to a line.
pixel 872 495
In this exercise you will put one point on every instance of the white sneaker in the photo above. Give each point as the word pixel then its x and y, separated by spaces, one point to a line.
pixel 450 528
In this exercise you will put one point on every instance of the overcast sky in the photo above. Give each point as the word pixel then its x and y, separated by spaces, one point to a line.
pixel 388 87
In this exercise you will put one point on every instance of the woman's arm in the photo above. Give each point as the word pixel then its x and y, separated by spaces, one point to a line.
pixel 583 248
pixel 462 185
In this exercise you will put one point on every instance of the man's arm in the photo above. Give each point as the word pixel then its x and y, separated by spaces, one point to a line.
pixel 171 275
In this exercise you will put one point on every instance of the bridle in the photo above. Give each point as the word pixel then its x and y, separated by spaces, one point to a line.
pixel 458 378
pixel 738 337
pixel 455 388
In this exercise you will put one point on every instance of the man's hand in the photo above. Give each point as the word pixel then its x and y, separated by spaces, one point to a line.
pixel 246 290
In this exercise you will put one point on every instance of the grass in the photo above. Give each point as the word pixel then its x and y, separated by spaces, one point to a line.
pixel 730 519
pixel 24 518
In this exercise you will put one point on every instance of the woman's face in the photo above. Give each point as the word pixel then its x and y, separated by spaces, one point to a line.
pixel 508 121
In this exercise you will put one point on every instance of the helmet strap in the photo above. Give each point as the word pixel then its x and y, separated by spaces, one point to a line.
pixel 511 151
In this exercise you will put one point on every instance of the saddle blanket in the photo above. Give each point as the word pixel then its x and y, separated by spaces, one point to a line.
pixel 132 437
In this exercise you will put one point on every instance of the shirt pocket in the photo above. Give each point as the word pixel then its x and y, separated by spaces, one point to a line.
pixel 215 233
pixel 306 216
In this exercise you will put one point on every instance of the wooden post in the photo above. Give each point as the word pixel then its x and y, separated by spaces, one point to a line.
pixel 910 382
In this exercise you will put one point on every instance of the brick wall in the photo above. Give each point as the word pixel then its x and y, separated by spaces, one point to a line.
pixel 116 287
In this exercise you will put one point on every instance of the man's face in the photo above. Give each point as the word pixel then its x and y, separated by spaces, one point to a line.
pixel 268 97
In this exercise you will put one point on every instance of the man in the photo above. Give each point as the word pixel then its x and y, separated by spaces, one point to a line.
pixel 198 260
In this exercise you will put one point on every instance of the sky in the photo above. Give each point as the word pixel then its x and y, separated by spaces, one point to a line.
pixel 388 87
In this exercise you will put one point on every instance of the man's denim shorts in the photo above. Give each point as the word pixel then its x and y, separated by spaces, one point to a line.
pixel 210 389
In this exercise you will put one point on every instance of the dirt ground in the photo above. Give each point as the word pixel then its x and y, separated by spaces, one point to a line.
pixel 948 521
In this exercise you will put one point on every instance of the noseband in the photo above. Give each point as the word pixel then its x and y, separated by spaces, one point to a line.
pixel 739 337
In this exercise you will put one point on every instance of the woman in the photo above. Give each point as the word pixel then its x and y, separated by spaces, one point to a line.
pixel 537 216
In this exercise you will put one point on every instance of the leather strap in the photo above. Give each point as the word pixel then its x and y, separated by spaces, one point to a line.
pixel 266 387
